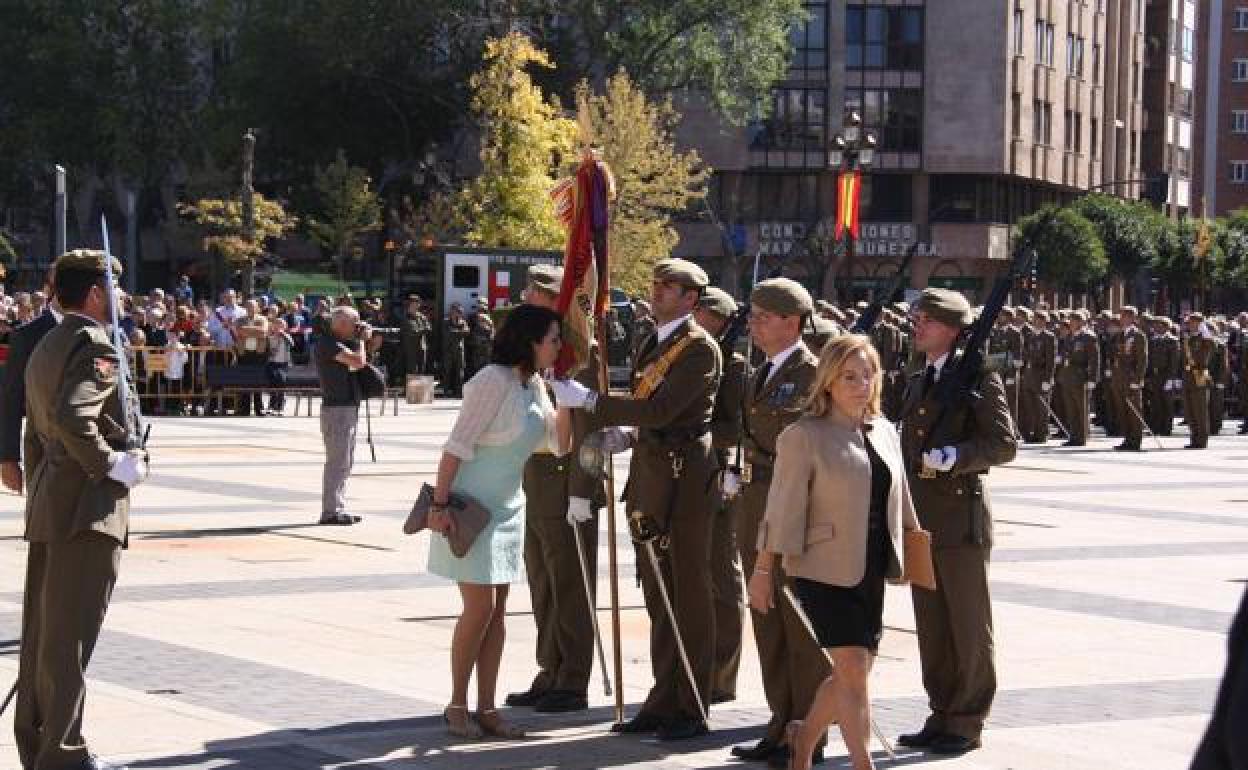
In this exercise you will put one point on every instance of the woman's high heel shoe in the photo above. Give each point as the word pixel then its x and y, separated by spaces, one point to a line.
pixel 468 729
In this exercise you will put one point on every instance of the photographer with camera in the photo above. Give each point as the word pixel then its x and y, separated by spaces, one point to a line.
pixel 339 354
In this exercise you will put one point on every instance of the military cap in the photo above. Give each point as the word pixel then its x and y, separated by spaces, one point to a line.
pixel 548 278
pixel 86 259
pixel 1129 310
pixel 946 306
pixel 1023 312
pixel 782 296
pixel 718 302
pixel 681 271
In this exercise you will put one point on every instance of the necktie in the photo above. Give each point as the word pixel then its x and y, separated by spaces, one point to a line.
pixel 763 372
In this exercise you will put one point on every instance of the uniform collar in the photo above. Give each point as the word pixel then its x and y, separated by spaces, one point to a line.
pixel 666 330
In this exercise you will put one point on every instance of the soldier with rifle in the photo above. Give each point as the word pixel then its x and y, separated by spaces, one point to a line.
pixel 955 425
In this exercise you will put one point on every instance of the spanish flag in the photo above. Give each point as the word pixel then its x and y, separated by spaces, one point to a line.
pixel 849 189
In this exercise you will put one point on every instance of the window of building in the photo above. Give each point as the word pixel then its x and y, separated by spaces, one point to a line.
pixel 1078 143
pixel 1041 122
pixel 776 197
pixel 1094 137
pixel 887 197
pixel 883 38
pixel 1018 32
pixel 1184 102
pixel 810 44
pixel 1189 44
pixel 1096 62
pixel 1016 116
pixel 798 123
pixel 1241 18
pixel 1068 139
pixel 1239 121
pixel 1183 161
pixel 1239 171
pixel 1074 55
pixel 1239 70
pixel 1040 27
pixel 894 115
pixel 1049 34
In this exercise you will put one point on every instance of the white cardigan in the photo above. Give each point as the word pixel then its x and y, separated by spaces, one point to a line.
pixel 492 413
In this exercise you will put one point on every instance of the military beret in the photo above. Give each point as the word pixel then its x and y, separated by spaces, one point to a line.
pixel 718 301
pixel 782 296
pixel 1128 309
pixel 548 278
pixel 1024 313
pixel 946 306
pixel 85 259
pixel 681 271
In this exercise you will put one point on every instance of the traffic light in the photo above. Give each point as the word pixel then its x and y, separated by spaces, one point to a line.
pixel 1157 188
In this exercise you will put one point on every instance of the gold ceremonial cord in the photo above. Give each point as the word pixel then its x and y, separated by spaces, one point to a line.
pixel 652 377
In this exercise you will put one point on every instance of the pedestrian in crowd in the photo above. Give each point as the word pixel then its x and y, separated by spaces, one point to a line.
pixel 454 336
pixel 835 513
pixel 948 450
pixel 281 348
pixel 562 504
pixel 643 327
pixel 339 354
pixel 1198 351
pixel 507 415
pixel 1130 362
pixel 480 339
pixel 673 465
pixel 792 664
pixel 713 313
pixel 414 336
pixel 77 517
pixel 13 393
pixel 1165 376
pixel 1039 366
pixel 1219 375
pixel 1081 367
pixel 183 291
pixel 251 334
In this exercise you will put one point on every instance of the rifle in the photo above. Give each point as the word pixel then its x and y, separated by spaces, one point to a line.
pixel 871 315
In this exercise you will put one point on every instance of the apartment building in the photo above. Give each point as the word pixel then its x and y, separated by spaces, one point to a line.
pixel 1221 164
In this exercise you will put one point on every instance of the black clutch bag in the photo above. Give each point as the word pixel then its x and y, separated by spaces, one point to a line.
pixel 469 515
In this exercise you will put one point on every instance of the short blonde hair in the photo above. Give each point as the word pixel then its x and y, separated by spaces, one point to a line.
pixel 831 361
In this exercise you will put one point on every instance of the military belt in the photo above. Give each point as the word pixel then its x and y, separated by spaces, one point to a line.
pixel 675 436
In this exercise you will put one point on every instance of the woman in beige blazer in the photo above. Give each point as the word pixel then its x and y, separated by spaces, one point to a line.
pixel 837 507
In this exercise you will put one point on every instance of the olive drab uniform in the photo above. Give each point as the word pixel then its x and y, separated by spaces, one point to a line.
pixel 818 332
pixel 1165 368
pixel 1012 345
pixel 726 577
pixel 954 622
pixel 1198 351
pixel 1219 373
pixel 77 523
pixel 565 631
pixel 1039 366
pixel 1129 365
pixel 480 340
pixel 1080 365
pixel 455 333
pixel 414 339
pixel 671 475
pixel 792 664
pixel 888 342
pixel 1106 408
pixel 1242 369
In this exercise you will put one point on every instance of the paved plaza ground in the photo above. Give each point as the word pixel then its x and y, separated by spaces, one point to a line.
pixel 243 637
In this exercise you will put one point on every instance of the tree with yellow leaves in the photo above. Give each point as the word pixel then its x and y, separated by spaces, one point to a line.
pixel 525 143
pixel 653 179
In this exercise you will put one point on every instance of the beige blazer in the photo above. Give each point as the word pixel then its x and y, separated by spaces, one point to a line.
pixel 820 493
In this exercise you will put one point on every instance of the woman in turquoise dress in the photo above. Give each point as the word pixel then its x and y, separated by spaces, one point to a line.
pixel 506 415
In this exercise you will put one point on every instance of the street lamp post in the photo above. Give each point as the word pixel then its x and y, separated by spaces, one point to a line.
pixel 852 151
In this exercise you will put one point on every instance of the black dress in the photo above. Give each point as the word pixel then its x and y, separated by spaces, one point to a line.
pixel 854 617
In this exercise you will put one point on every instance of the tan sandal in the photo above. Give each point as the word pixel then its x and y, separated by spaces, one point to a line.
pixel 469 729
pixel 493 725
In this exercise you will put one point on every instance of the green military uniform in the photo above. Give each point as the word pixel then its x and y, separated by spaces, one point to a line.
pixel 414 341
pixel 954 622
pixel 673 467
pixel 726 578
pixel 792 664
pixel 565 631
pixel 1012 344
pixel 1105 407
pixel 480 340
pixel 889 343
pixel 77 522
pixel 1198 351
pixel 1220 373
pixel 455 333
pixel 1165 368
pixel 1058 401
pixel 818 332
pixel 1129 364
pixel 1241 367
pixel 1039 367
pixel 1081 367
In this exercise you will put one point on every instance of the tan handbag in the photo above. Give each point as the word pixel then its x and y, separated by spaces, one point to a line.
pixel 469 515
pixel 918 569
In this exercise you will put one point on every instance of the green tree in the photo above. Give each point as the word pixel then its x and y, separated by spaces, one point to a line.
pixel 1232 240
pixel 348 208
pixel 1128 230
pixel 219 223
pixel 525 141
pixel 1069 253
pixel 653 180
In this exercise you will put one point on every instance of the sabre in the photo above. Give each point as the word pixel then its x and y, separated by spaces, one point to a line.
pixel 593 610
pixel 1053 415
pixel 810 629
pixel 123 374
pixel 1143 422
pixel 671 617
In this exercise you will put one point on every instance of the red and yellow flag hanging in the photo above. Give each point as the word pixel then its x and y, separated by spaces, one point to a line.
pixel 849 189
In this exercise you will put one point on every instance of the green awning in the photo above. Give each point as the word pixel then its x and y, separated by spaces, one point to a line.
pixel 288 283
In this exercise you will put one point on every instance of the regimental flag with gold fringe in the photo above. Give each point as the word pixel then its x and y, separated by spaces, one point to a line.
pixel 849 190
pixel 582 204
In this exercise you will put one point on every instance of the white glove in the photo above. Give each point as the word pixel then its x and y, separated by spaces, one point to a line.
pixel 578 511
pixel 941 459
pixel 569 394
pixel 730 484
pixel 1108 373
pixel 616 440
pixel 1091 386
pixel 1045 386
pixel 128 468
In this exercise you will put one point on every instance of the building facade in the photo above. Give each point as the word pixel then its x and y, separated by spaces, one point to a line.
pixel 1170 84
pixel 1221 166
pixel 983 113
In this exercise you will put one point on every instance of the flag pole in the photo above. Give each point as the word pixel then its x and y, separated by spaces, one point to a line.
pixel 617 653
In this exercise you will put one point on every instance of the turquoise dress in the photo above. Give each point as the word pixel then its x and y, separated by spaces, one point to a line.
pixel 494 477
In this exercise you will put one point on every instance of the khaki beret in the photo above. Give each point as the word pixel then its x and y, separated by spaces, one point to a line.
pixel 681 271
pixel 1023 313
pixel 945 306
pixel 548 278
pixel 782 296
pixel 1128 309
pixel 86 259
pixel 718 302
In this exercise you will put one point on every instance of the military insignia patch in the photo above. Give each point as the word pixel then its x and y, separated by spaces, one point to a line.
pixel 105 368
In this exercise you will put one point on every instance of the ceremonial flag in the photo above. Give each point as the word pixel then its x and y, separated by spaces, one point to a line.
pixel 849 189
pixel 582 204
